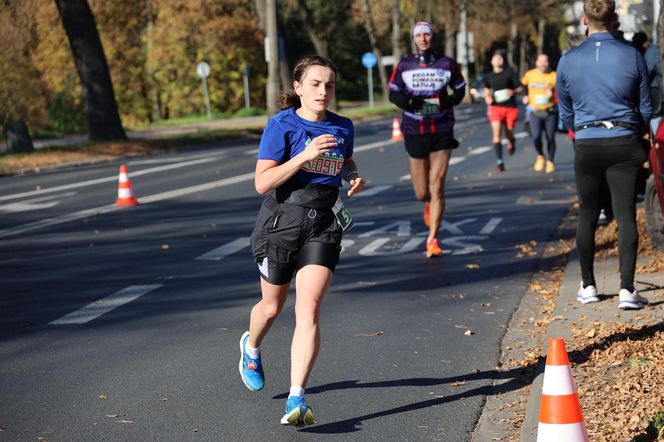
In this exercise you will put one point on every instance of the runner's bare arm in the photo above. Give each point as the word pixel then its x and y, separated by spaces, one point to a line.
pixel 349 173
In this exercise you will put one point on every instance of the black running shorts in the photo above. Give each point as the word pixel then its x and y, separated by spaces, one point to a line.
pixel 288 237
pixel 420 146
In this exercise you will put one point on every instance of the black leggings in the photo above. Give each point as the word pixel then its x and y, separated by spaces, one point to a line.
pixel 616 160
pixel 547 125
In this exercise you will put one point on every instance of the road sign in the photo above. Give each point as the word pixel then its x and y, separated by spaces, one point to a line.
pixel 368 60
pixel 203 69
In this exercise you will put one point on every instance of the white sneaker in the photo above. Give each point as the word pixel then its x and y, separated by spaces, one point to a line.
pixel 586 295
pixel 631 301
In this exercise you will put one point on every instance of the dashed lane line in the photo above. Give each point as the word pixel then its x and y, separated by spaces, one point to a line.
pixel 107 179
pixel 105 305
pixel 227 249
pixel 371 191
pixel 112 207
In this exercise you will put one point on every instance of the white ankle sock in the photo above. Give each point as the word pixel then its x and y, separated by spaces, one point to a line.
pixel 296 391
pixel 252 352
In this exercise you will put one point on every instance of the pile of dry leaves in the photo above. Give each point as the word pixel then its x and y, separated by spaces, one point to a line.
pixel 618 367
pixel 620 377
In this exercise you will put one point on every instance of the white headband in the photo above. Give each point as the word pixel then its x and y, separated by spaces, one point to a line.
pixel 422 26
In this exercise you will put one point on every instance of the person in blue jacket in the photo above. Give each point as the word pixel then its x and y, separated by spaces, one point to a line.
pixel 305 153
pixel 604 95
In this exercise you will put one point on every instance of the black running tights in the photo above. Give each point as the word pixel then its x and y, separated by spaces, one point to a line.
pixel 618 161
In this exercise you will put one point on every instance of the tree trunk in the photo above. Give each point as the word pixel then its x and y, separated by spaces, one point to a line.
pixel 102 109
pixel 369 27
pixel 511 44
pixel 18 136
pixel 541 29
pixel 153 87
pixel 396 30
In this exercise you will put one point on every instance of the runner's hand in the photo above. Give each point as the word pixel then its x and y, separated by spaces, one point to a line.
pixel 416 103
pixel 356 185
pixel 320 145
pixel 525 100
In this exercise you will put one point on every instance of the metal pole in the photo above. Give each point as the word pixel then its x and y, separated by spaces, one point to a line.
pixel 370 83
pixel 247 100
pixel 464 35
pixel 207 99
pixel 273 57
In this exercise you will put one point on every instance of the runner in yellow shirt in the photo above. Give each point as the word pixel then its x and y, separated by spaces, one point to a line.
pixel 542 112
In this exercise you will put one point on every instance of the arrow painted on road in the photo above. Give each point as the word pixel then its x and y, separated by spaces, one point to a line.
pixel 45 202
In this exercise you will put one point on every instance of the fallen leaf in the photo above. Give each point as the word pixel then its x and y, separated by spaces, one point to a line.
pixel 469 333
pixel 124 422
pixel 457 383
pixel 472 266
pixel 115 416
pixel 591 333
pixel 103 397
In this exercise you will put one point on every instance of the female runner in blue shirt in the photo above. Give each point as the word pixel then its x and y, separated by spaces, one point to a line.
pixel 304 153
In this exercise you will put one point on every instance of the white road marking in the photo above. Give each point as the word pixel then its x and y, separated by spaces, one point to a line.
pixel 228 249
pixel 375 145
pixel 480 150
pixel 106 179
pixel 251 152
pixel 111 207
pixel 44 202
pixel 364 223
pixel 456 160
pixel 490 226
pixel 464 247
pixel 406 177
pixel 105 305
pixel 371 249
pixel 403 228
pixel 371 191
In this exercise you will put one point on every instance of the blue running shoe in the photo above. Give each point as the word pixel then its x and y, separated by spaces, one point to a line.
pixel 297 412
pixel 251 370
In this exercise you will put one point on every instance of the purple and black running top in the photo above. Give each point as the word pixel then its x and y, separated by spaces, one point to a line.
pixel 429 81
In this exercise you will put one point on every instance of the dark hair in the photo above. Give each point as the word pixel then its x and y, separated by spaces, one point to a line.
pixel 639 40
pixel 600 12
pixel 288 99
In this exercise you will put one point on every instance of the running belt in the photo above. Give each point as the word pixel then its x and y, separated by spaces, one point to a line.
pixel 606 124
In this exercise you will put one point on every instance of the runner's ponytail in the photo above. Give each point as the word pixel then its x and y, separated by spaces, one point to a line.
pixel 288 99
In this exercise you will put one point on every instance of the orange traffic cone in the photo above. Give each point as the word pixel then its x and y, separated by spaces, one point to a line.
pixel 125 194
pixel 560 412
pixel 396 130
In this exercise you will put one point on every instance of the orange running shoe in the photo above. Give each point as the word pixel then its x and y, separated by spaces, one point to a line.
pixel 433 249
pixel 425 215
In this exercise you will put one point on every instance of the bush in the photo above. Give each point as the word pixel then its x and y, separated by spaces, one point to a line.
pixel 65 116
pixel 249 112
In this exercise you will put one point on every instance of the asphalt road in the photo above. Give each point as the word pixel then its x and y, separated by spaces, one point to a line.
pixel 123 324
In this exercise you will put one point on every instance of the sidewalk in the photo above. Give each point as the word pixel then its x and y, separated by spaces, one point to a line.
pixel 160 131
pixel 587 329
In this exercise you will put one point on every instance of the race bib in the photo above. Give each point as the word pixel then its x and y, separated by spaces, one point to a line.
pixel 343 217
pixel 501 95
pixel 542 99
pixel 430 106
pixel 326 164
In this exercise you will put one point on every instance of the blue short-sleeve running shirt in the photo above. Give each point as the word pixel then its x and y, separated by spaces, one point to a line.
pixel 287 134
